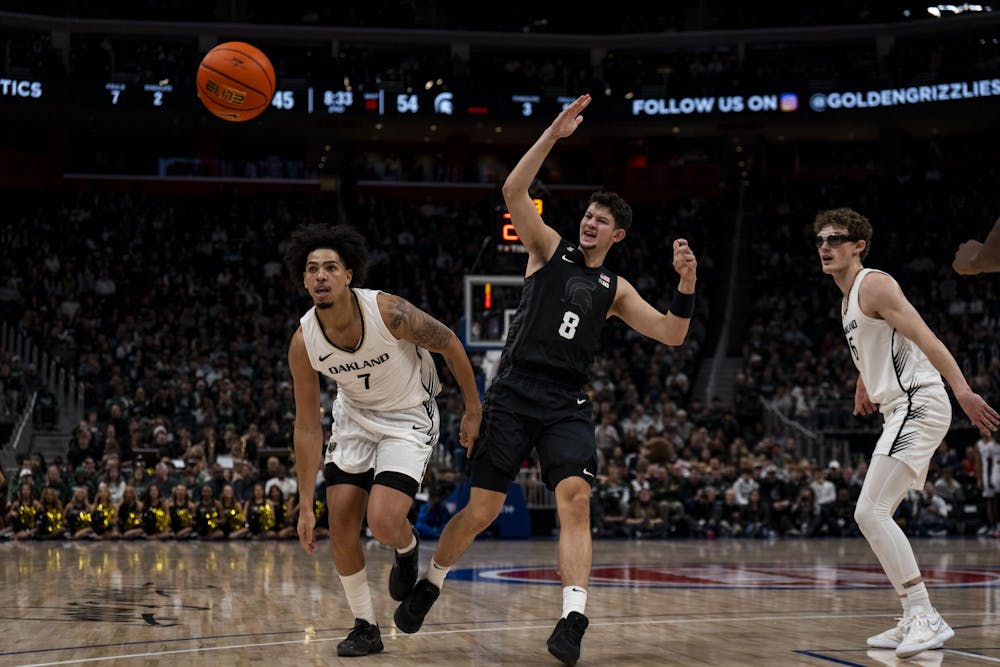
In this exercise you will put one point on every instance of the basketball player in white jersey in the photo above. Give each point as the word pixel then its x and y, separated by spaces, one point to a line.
pixel 988 481
pixel 900 363
pixel 376 346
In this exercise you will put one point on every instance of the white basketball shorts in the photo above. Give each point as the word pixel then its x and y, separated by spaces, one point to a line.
pixel 914 427
pixel 386 441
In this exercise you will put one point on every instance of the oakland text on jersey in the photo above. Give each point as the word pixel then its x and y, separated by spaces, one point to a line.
pixel 358 365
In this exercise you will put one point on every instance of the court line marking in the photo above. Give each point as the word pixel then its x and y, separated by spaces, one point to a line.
pixel 395 634
pixel 829 658
pixel 597 620
pixel 967 654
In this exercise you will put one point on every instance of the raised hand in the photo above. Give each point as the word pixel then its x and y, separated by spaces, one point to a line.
pixel 685 263
pixel 569 119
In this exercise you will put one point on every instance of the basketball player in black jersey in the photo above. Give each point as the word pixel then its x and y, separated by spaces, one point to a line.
pixel 536 400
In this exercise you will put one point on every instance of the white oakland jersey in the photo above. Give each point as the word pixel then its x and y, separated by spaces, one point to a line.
pixel 899 378
pixel 989 460
pixel 890 364
pixel 382 372
pixel 385 416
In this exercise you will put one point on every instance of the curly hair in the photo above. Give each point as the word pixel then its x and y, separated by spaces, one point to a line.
pixel 346 241
pixel 857 225
pixel 619 208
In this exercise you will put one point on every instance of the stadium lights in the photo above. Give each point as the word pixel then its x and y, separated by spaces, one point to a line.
pixel 937 11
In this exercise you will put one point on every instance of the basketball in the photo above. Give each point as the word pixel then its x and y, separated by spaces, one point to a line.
pixel 235 81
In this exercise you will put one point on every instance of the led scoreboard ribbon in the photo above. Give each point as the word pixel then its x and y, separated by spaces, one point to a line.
pixel 383 101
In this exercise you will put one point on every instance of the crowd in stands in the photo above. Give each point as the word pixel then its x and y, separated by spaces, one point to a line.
pixel 768 491
pixel 106 498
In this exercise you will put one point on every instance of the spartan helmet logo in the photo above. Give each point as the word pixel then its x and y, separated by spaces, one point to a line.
pixel 578 293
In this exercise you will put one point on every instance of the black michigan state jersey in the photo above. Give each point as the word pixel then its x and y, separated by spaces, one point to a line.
pixel 557 328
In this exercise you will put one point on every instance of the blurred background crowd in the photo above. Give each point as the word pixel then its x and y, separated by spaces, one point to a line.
pixel 144 389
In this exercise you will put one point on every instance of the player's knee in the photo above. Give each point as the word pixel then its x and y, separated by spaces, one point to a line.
pixel 868 515
pixel 862 516
pixel 574 506
pixel 342 532
pixel 479 516
pixel 383 528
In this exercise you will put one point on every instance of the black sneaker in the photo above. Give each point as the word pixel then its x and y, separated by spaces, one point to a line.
pixel 404 571
pixel 564 642
pixel 365 638
pixel 411 611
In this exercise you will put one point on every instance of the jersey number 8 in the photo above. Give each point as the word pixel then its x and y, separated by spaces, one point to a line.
pixel 570 321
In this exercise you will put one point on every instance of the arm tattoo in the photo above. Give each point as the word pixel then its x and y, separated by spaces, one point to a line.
pixel 429 333
pixel 423 329
pixel 399 313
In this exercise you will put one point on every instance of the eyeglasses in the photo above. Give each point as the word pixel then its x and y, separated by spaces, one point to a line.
pixel 833 240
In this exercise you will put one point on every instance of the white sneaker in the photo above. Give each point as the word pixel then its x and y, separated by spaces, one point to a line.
pixel 889 659
pixel 891 637
pixel 923 631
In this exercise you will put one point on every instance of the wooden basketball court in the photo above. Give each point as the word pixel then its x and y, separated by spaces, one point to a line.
pixel 658 603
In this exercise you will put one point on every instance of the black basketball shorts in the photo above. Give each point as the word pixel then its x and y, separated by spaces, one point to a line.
pixel 524 412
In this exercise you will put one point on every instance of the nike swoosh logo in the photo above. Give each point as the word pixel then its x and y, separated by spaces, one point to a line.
pixel 581 401
pixel 936 626
pixel 567 259
pixel 416 428
pixel 324 357
pixel 587 472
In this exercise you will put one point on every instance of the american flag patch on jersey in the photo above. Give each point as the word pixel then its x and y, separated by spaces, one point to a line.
pixel 605 280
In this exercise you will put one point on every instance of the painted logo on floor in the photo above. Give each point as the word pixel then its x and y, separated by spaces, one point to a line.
pixel 727 575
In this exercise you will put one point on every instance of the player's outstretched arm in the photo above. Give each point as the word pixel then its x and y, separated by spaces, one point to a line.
pixel 671 327
pixel 881 294
pixel 540 239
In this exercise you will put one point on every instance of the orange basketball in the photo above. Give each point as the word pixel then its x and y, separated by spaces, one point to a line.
pixel 236 81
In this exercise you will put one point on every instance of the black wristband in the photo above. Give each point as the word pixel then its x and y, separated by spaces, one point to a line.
pixel 682 305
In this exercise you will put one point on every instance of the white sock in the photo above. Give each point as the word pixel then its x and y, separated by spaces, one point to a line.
pixel 905 601
pixel 359 596
pixel 410 547
pixel 917 600
pixel 574 599
pixel 436 573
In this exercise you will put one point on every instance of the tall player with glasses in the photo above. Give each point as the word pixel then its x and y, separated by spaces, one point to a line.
pixel 537 399
pixel 900 362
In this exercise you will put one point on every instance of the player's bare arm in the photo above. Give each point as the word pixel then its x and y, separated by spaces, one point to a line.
pixel 668 328
pixel 644 318
pixel 881 296
pixel 307 434
pixel 540 239
pixel 408 322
